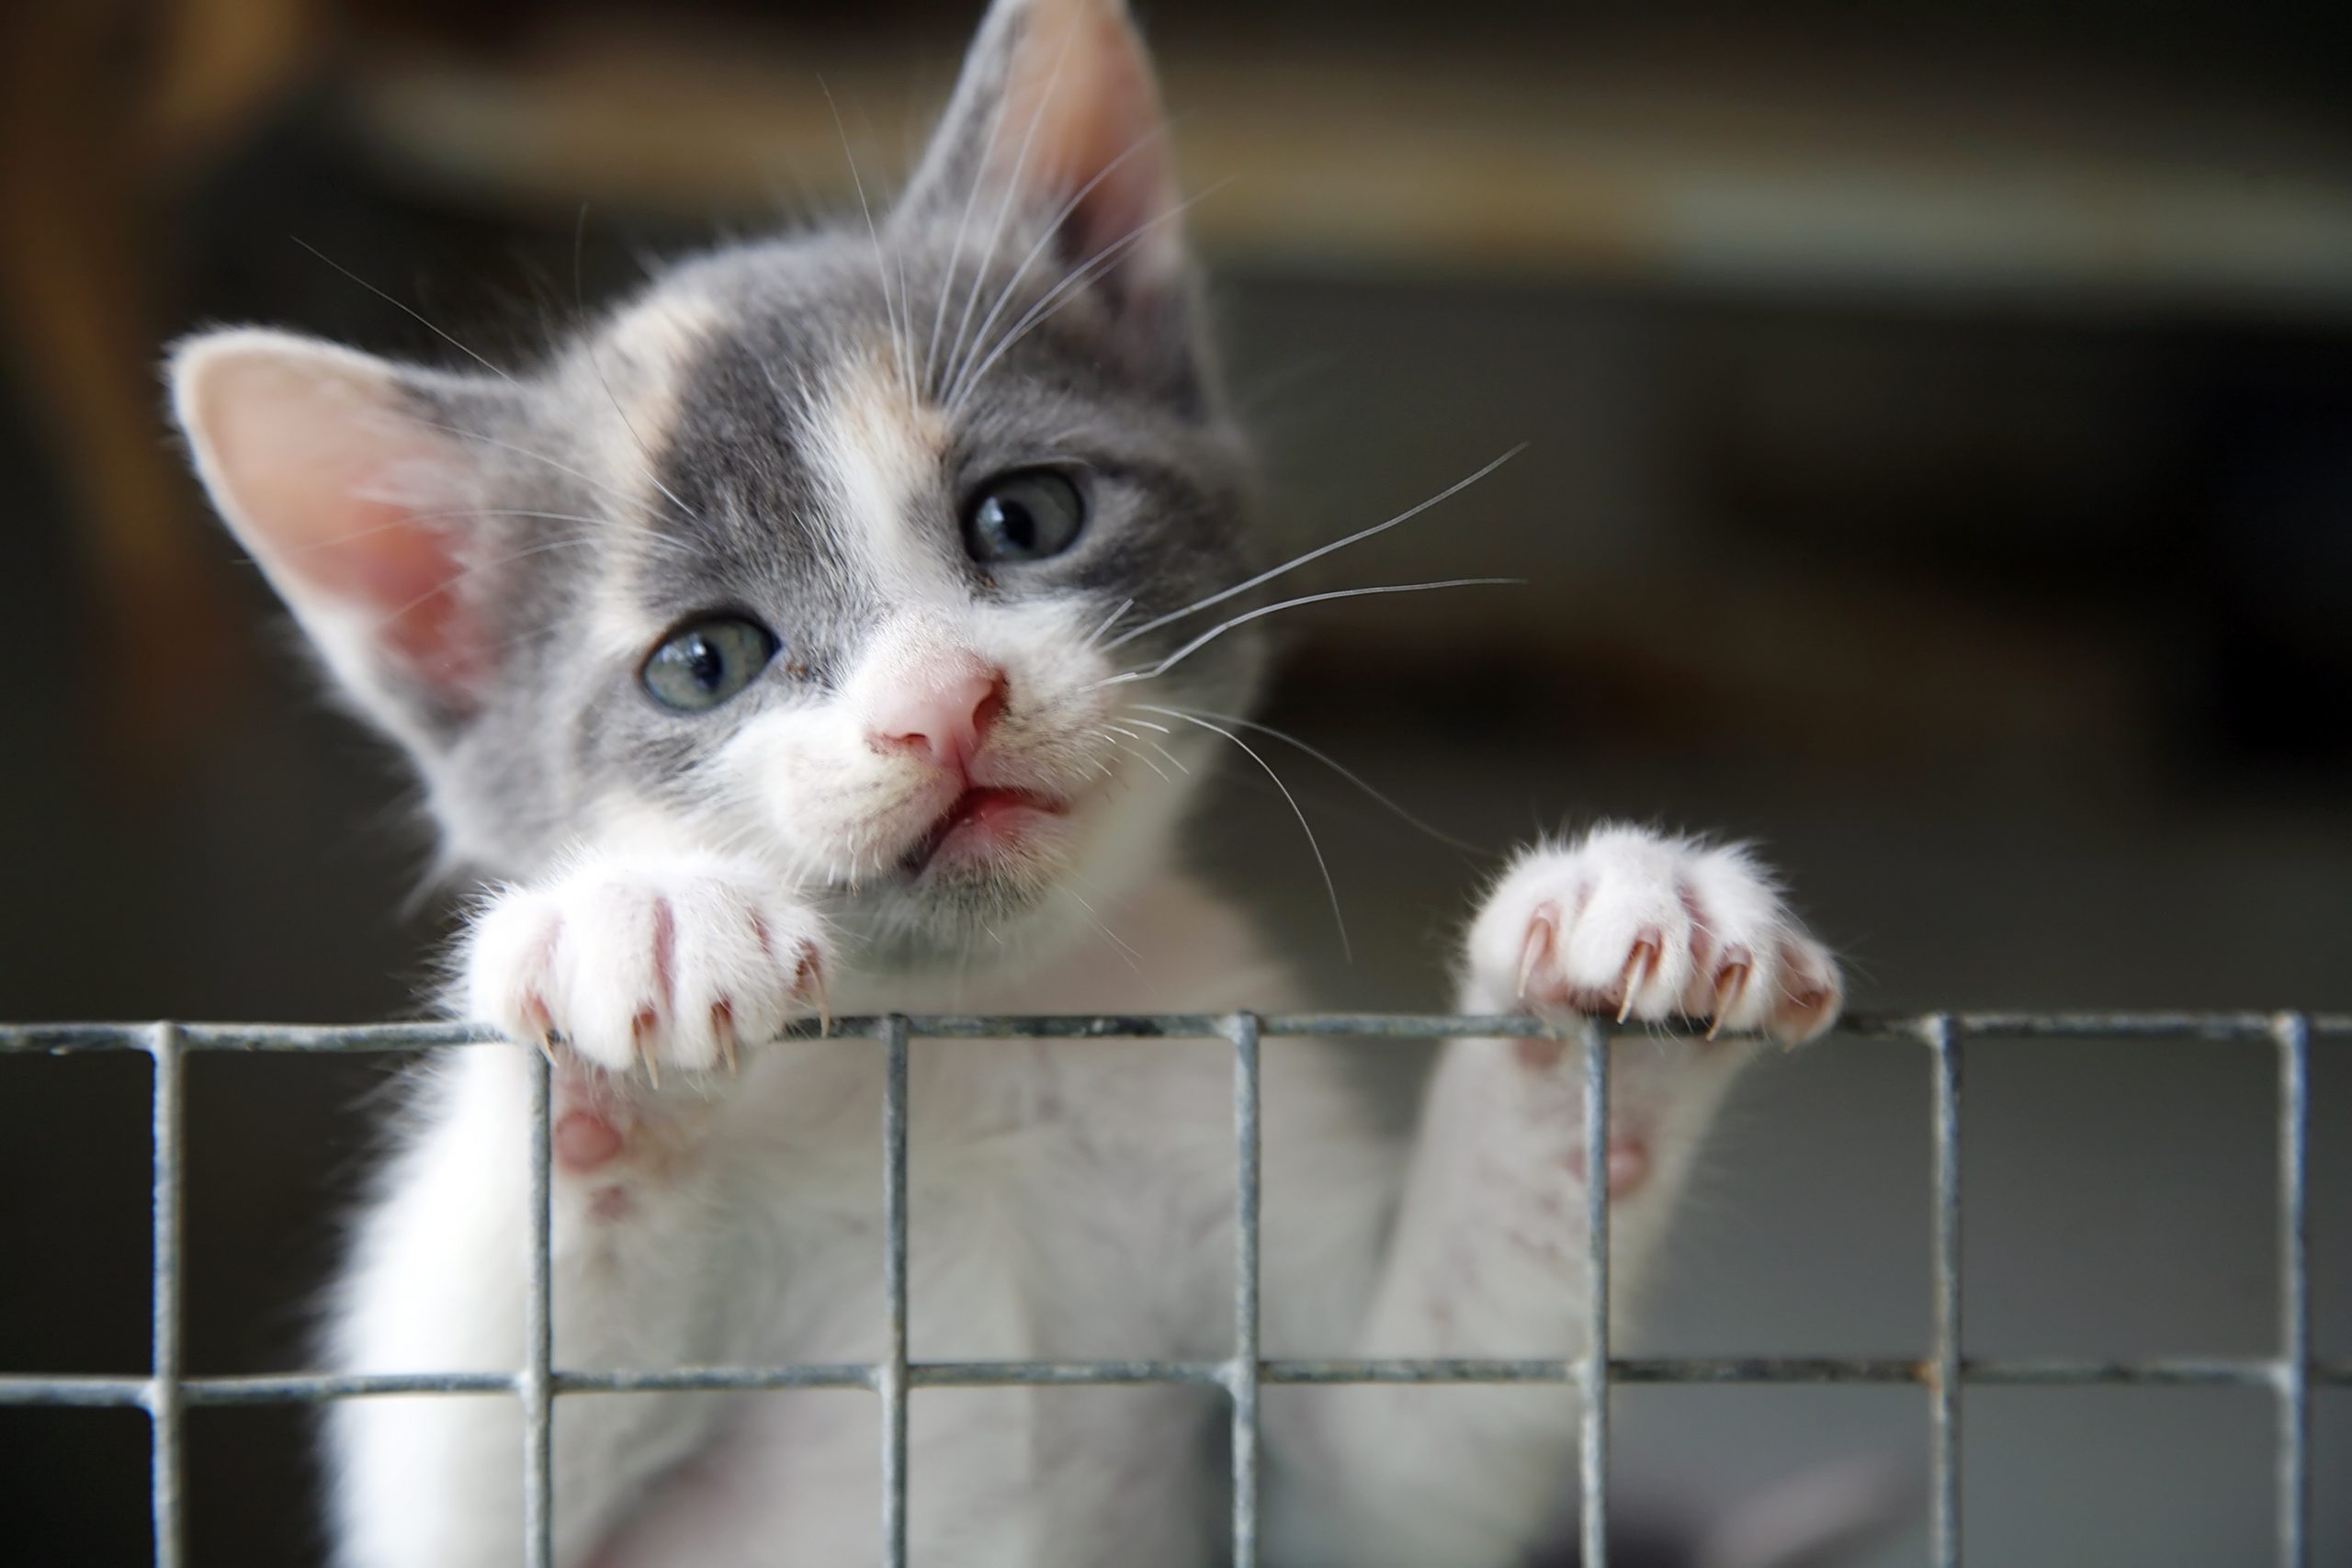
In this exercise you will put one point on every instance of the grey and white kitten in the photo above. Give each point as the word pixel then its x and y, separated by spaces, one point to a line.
pixel 818 628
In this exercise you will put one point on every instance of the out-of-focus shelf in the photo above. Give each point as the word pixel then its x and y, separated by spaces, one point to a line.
pixel 1745 167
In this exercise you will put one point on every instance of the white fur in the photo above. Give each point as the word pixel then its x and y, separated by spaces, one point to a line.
pixel 1068 1201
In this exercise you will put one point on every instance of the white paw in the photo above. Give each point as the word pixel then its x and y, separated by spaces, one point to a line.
pixel 1630 924
pixel 666 962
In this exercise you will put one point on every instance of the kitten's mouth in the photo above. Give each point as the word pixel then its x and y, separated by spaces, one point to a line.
pixel 982 821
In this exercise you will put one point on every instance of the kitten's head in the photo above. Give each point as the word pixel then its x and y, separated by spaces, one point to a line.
pixel 830 551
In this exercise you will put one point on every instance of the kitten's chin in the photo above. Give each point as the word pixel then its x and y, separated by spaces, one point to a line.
pixel 996 905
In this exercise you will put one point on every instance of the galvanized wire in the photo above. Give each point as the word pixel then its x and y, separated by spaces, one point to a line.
pixel 166 1391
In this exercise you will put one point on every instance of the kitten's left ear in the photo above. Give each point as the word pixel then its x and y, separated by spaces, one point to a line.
pixel 334 472
pixel 1058 113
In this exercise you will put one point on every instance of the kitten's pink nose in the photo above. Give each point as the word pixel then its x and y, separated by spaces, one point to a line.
pixel 943 711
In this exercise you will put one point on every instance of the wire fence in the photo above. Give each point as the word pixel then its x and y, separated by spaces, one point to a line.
pixel 1944 1372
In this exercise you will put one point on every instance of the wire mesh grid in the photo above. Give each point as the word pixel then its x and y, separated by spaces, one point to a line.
pixel 1944 1372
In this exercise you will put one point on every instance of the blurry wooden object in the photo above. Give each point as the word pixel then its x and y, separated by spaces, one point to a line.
pixel 1760 158
pixel 106 107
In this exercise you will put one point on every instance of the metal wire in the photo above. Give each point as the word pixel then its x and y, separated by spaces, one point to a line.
pixel 535 1383
pixel 166 1391
pixel 1593 1374
pixel 1944 1390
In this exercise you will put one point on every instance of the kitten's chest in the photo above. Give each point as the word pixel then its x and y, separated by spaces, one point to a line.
pixel 1066 1200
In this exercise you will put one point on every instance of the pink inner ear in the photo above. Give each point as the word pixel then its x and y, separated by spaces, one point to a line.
pixel 1082 75
pixel 342 497
pixel 407 573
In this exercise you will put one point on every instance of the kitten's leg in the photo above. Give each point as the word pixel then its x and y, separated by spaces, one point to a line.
pixel 1487 1258
pixel 638 968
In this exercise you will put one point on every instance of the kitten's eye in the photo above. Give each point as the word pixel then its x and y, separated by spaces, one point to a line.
pixel 703 665
pixel 1024 517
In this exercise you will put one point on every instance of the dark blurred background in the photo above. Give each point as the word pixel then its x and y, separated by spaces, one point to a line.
pixel 1939 466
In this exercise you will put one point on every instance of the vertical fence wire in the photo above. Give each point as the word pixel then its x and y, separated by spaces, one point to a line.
pixel 535 1385
pixel 1595 1375
pixel 1944 1387
pixel 2294 1036
pixel 890 1376
pixel 1243 1378
pixel 165 1432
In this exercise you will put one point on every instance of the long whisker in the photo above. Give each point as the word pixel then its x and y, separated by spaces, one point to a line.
pixel 881 275
pixel 1336 766
pixel 1131 752
pixel 1108 622
pixel 405 519
pixel 1063 291
pixel 596 363
pixel 1346 950
pixel 1456 488
pixel 415 314
pixel 393 615
pixel 956 357
pixel 1052 229
pixel 955 255
pixel 639 503
pixel 1247 615
pixel 1135 959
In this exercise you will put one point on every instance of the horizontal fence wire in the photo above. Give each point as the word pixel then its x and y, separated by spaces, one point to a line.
pixel 165 1391
pixel 1910 1028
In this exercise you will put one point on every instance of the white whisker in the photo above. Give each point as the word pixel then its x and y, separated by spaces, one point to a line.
pixel 956 255
pixel 1336 766
pixel 415 314
pixel 898 344
pixel 1108 622
pixel 1053 228
pixel 956 359
pixel 639 503
pixel 1224 626
pixel 1346 951
pixel 1061 293
pixel 596 363
pixel 1135 959
pixel 1320 551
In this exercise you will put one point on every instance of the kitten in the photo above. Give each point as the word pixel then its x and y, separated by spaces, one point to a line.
pixel 817 629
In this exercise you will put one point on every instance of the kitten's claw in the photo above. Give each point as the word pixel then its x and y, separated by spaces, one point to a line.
pixel 1540 926
pixel 1640 926
pixel 1731 984
pixel 659 965
pixel 808 977
pixel 640 1031
pixel 722 1028
pixel 1644 959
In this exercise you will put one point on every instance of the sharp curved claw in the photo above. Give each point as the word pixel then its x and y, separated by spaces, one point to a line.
pixel 1731 982
pixel 541 1026
pixel 1541 934
pixel 722 1028
pixel 1644 957
pixel 641 1029
pixel 809 978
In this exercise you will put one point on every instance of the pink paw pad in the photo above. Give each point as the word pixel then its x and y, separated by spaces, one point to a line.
pixel 1629 1163
pixel 584 1141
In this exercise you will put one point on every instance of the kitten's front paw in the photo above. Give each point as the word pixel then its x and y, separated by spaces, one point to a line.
pixel 1626 923
pixel 665 962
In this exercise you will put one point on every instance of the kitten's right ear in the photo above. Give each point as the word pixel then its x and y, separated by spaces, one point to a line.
pixel 347 479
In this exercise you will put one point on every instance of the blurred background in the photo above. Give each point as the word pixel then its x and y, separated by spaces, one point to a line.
pixel 1939 468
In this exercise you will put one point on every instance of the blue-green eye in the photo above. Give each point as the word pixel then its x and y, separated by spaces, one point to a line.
pixel 704 664
pixel 1023 517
